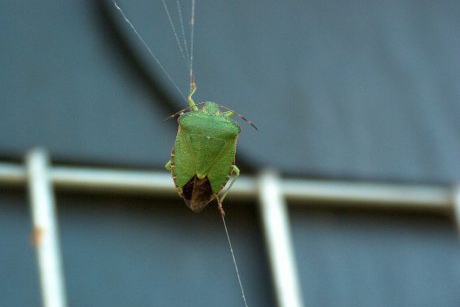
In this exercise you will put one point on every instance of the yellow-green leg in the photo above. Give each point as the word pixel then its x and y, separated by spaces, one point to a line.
pixel 220 200
pixel 190 99
pixel 168 165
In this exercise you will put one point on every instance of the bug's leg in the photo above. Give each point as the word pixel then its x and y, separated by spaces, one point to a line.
pixel 168 165
pixel 228 113
pixel 236 170
pixel 219 206
pixel 190 99
pixel 220 200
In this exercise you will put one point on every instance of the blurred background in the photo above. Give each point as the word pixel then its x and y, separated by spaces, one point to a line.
pixel 355 92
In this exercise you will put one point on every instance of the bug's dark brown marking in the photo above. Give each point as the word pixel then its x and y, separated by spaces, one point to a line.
pixel 197 193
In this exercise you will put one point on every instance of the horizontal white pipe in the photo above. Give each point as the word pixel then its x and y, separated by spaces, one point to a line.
pixel 371 195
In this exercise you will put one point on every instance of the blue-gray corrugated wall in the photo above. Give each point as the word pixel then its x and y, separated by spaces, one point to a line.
pixel 363 90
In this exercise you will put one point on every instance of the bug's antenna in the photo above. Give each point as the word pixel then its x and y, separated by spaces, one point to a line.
pixel 241 116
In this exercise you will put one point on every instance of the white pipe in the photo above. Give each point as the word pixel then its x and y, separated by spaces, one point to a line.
pixel 351 194
pixel 45 232
pixel 369 194
pixel 275 220
pixel 456 200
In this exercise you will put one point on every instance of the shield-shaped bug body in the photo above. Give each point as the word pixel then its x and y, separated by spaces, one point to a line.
pixel 203 157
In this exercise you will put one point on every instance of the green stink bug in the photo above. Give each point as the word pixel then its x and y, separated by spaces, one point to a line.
pixel 203 157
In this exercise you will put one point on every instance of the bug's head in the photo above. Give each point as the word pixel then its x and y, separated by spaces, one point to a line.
pixel 211 108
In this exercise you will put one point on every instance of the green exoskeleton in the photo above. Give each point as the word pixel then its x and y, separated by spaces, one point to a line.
pixel 203 157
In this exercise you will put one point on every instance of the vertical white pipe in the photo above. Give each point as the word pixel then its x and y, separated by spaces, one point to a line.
pixel 456 205
pixel 45 231
pixel 275 220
